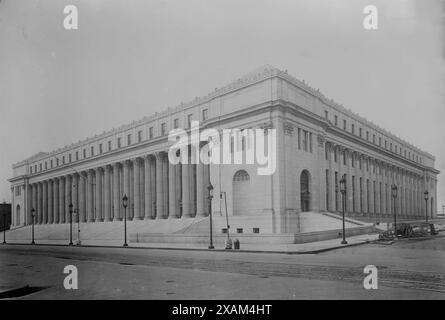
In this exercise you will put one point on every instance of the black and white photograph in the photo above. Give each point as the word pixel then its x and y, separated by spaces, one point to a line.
pixel 223 156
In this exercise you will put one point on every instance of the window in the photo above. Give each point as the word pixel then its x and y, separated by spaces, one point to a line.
pixel 189 120
pixel 100 148
pixel 139 136
pixel 352 129
pixel 77 155
pixel 395 148
pixel 51 163
pixel 390 146
pixel 150 133
pixel 30 170
pixel 373 138
pixel 326 115
pixel 40 167
pixel 386 144
pixel 109 145
pixel 176 123
pixel 299 139
pixel 380 141
pixel 163 129
pixel 92 151
pixel 367 135
pixel 63 160
pixel 336 120
pixel 128 139
pixel 35 168
pixel 46 166
pixel 57 163
pixel 84 153
pixel 119 142
pixel 205 114
pixel 344 124
pixel 69 158
pixel 360 132
pixel 310 142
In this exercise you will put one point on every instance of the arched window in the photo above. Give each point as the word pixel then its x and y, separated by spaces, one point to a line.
pixel 241 175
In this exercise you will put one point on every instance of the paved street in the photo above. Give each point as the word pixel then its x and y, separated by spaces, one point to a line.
pixel 407 270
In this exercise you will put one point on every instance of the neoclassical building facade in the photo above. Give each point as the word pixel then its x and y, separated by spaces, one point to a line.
pixel 317 143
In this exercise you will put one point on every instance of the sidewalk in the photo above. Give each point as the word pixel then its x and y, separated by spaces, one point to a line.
pixel 297 248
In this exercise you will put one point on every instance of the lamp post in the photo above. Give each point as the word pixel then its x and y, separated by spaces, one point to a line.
pixel 4 229
pixel 343 193
pixel 425 196
pixel 33 215
pixel 229 244
pixel 394 197
pixel 71 224
pixel 210 188
pixel 125 204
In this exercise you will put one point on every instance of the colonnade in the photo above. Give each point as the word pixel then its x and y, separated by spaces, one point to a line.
pixel 156 189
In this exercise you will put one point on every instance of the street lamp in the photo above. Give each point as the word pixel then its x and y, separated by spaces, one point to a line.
pixel 210 188
pixel 33 215
pixel 4 229
pixel 394 196
pixel 343 193
pixel 71 224
pixel 425 196
pixel 125 205
pixel 229 243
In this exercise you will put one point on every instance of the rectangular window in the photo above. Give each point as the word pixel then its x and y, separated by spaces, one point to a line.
pixel 119 142
pixel 46 166
pixel 128 139
pixel 299 139
pixel 100 148
pixel 150 133
pixel 69 158
pixel 40 167
pixel 380 141
pixel 176 124
pixel 92 151
pixel 344 124
pixel 189 120
pixel 367 135
pixel 139 136
pixel 360 132
pixel 310 142
pixel 35 168
pixel 109 145
pixel 63 160
pixel 84 153
pixel 326 115
pixel 386 144
pixel 30 170
pixel 163 129
pixel 77 155
pixel 373 138
pixel 336 120
pixel 390 146
pixel 352 129
pixel 51 162
pixel 205 114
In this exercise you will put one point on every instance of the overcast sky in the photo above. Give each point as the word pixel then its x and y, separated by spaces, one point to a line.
pixel 131 58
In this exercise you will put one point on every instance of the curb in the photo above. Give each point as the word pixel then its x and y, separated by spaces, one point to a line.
pixel 315 251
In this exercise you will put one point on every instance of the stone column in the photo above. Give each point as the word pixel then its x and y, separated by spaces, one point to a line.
pixel 90 202
pixel 45 202
pixel 50 202
pixel 67 198
pixel 116 193
pixel 56 214
pixel 178 192
pixel 61 200
pixel 107 193
pixel 186 212
pixel 148 188
pixel 200 209
pixel 39 204
pixel 172 191
pixel 126 186
pixel 165 186
pixel 159 187
pixel 137 189
pixel 82 198
pixel 75 196
pixel 98 212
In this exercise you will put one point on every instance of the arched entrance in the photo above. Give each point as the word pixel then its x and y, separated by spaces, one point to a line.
pixel 305 194
pixel 17 215
pixel 241 193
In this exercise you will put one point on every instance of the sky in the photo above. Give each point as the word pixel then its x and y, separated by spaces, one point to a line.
pixel 129 59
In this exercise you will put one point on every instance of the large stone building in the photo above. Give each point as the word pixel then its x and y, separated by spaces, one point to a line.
pixel 318 141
